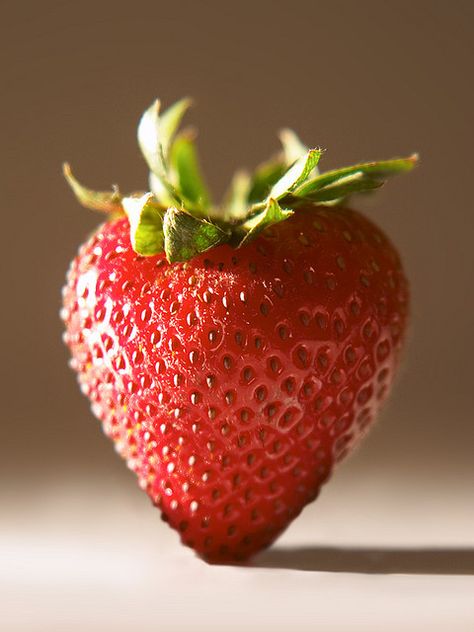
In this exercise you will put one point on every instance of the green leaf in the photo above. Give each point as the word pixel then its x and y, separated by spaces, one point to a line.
pixel 177 216
pixel 149 137
pixel 169 122
pixel 296 175
pixel 272 213
pixel 146 224
pixel 335 192
pixel 155 134
pixel 161 191
pixel 187 236
pixel 189 180
pixel 264 177
pixel 236 200
pixel 268 173
pixel 105 201
pixel 293 148
pixel 381 169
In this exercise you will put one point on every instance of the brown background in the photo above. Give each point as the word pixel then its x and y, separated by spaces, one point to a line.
pixel 365 79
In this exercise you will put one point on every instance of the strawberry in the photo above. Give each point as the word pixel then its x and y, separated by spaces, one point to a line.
pixel 235 356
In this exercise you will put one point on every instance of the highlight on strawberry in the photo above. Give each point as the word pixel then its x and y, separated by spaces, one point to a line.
pixel 235 353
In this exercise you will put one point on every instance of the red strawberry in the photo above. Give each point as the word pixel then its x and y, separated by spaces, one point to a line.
pixel 232 379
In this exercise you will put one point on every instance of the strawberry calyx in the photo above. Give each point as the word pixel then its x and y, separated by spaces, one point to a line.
pixel 177 215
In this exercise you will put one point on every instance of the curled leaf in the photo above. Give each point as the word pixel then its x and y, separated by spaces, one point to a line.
pixel 293 148
pixel 105 201
pixel 169 122
pixel 162 192
pixel 378 170
pixel 186 236
pixel 296 175
pixel 146 224
pixel 149 136
pixel 177 216
pixel 155 131
pixel 236 203
pixel 187 173
pixel 155 134
pixel 335 192
pixel 264 178
pixel 268 173
pixel 272 213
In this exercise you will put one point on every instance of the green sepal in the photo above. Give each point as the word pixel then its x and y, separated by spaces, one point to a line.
pixel 105 201
pixel 161 191
pixel 156 131
pixel 372 170
pixel 155 135
pixel 145 217
pixel 186 236
pixel 296 175
pixel 236 200
pixel 245 190
pixel 293 148
pixel 340 189
pixel 177 216
pixel 187 173
pixel 272 213
pixel 264 177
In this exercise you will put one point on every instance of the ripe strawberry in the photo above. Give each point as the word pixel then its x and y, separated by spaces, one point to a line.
pixel 234 369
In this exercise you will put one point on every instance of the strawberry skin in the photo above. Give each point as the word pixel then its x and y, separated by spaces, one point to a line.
pixel 232 383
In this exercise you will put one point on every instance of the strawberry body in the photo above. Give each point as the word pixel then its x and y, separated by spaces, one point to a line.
pixel 232 383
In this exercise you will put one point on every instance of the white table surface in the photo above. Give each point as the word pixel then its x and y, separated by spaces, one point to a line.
pixel 375 552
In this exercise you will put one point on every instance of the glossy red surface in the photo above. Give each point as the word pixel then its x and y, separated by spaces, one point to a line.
pixel 232 384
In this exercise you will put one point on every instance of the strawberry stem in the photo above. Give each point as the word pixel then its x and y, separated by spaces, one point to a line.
pixel 177 215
